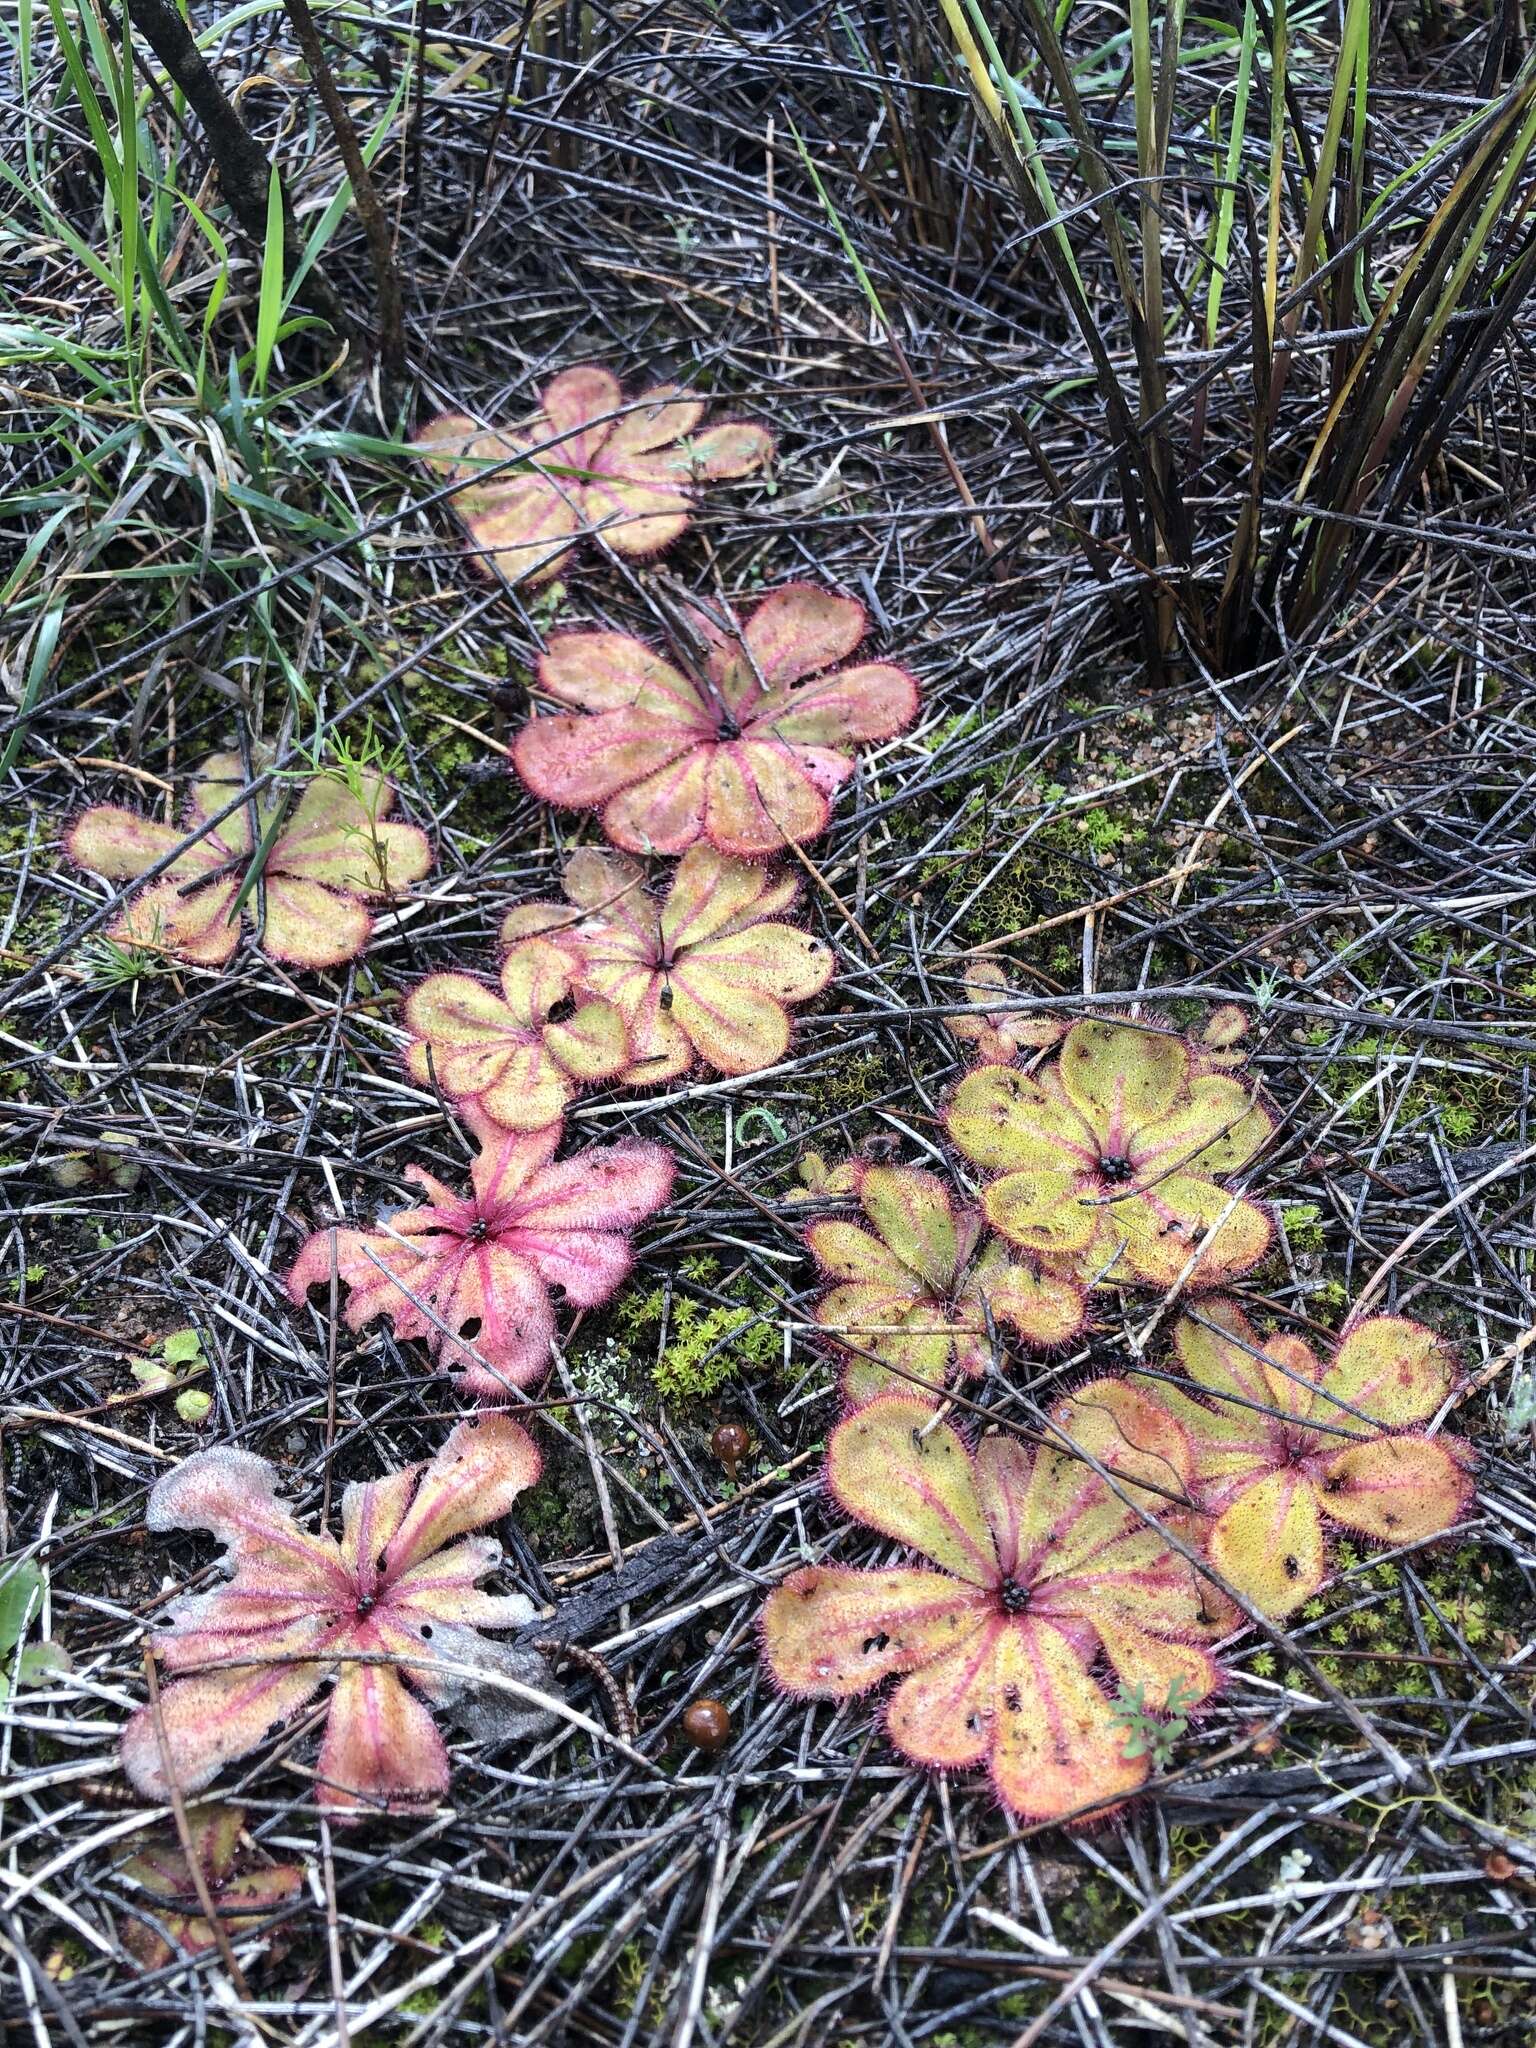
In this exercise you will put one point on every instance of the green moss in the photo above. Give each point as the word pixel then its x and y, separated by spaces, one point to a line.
pixel 1466 1102
pixel 1102 832
pixel 1303 1226
pixel 709 1346
pixel 843 1086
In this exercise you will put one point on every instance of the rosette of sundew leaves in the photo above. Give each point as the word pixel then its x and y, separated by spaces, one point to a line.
pixel 1038 1576
pixel 921 1290
pixel 744 748
pixel 517 1050
pixel 705 974
pixel 471 1275
pixel 1286 1446
pixel 1109 1159
pixel 167 1912
pixel 589 463
pixel 311 864
pixel 390 1615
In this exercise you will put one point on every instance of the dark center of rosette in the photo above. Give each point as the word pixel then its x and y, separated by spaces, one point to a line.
pixel 1013 1597
pixel 1115 1168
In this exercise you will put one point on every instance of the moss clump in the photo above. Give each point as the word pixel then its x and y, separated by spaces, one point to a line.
pixel 845 1085
pixel 710 1346
pixel 1303 1225
pixel 1372 1649
pixel 1466 1103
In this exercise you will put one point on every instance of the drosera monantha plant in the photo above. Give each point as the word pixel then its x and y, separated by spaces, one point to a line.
pixel 473 1276
pixel 1251 1447
pixel 519 1050
pixel 392 1613
pixel 705 974
pixel 1038 1571
pixel 920 1293
pixel 996 1037
pixel 745 749
pixel 1108 1157
pixel 320 863
pixel 165 1913
pixel 588 463
pixel 1285 1445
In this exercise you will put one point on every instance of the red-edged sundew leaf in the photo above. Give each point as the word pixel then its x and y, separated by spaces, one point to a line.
pixel 1000 1035
pixel 336 852
pixel 1185 1231
pixel 588 462
pixel 474 1479
pixel 162 1874
pixel 1278 1455
pixel 519 1051
pixel 1395 1371
pixel 1047 1310
pixel 1119 1079
pixel 915 1297
pixel 471 1275
pixel 377 1621
pixel 895 1468
pixel 704 975
pixel 1041 1570
pixel 830 1633
pixel 1268 1544
pixel 1225 1357
pixel 670 759
pixel 1130 1434
pixel 1221 1034
pixel 1107 1158
pixel 1397 1489
pixel 911 1213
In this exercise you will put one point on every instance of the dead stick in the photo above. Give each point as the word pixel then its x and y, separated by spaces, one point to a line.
pixel 244 171
pixel 381 249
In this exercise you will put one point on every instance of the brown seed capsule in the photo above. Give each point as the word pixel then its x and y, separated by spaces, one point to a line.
pixel 707 1725
pixel 730 1444
pixel 1498 1867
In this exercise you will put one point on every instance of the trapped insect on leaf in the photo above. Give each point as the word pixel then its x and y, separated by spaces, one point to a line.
pixel 704 974
pixel 326 859
pixel 473 1276
pixel 1108 1158
pixel 589 463
pixel 915 1289
pixel 391 1613
pixel 1039 1571
pixel 745 749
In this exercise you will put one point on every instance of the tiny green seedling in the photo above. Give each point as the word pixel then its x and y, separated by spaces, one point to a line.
pixel 1153 1731
pixel 179 1360
pixel 21 1602
pixel 772 1123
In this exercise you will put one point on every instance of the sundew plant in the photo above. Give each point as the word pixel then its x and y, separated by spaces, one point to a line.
pixel 767 972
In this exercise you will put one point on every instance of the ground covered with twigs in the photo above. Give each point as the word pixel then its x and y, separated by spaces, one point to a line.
pixel 1335 835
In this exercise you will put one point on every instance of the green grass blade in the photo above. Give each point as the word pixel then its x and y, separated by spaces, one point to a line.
pixel 49 628
pixel 1221 239
pixel 269 305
